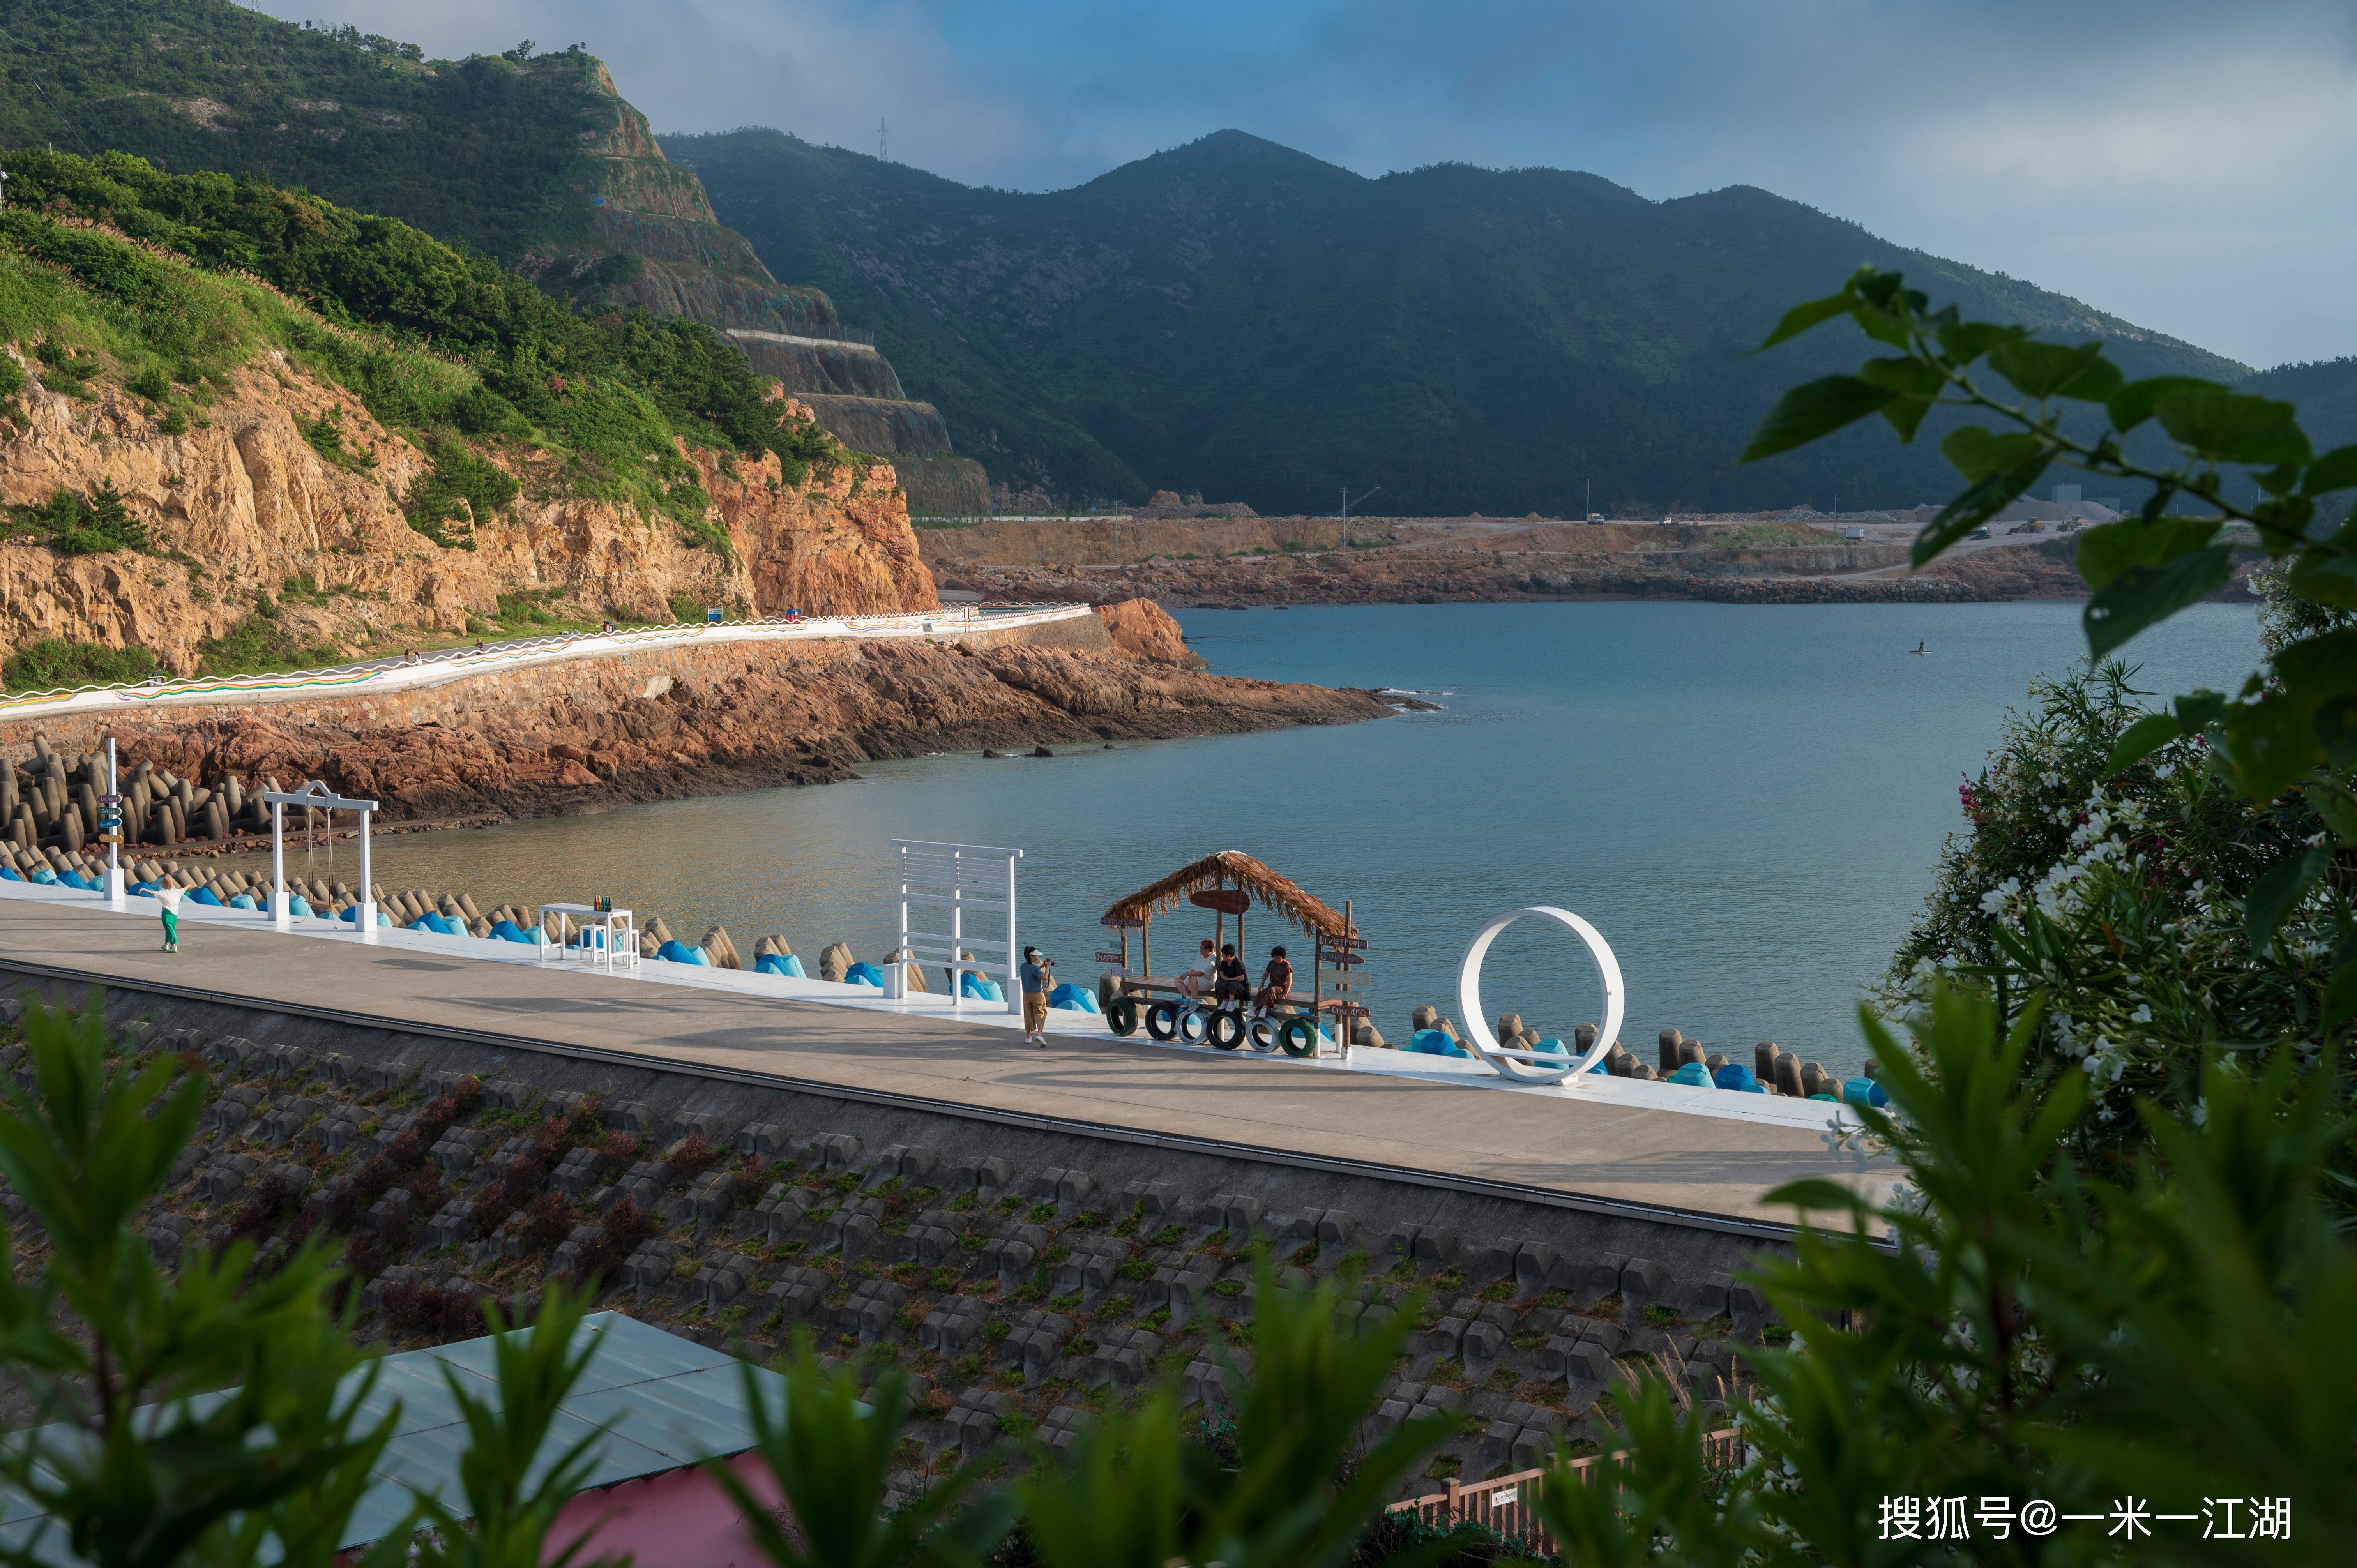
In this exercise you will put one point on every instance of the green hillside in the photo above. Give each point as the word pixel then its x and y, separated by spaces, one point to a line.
pixel 488 151
pixel 1239 319
pixel 462 354
pixel 2326 394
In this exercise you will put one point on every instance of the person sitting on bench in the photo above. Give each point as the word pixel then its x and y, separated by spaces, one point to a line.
pixel 1232 984
pixel 1276 982
pixel 1191 978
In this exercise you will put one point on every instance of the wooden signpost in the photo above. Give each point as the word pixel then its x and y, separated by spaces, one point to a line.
pixel 1341 954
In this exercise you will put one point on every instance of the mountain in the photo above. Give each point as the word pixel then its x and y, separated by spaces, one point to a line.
pixel 533 158
pixel 2325 392
pixel 1242 320
pixel 241 425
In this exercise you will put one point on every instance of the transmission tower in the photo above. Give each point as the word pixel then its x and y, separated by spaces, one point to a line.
pixel 883 142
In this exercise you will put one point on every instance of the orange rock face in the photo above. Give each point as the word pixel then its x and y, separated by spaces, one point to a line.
pixel 239 508
pixel 1144 629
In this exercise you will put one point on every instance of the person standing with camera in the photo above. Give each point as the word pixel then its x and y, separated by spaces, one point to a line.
pixel 1035 977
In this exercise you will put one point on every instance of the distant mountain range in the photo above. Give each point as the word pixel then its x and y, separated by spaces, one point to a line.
pixel 1242 320
pixel 1231 317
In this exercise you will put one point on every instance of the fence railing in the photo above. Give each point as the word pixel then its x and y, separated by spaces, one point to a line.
pixel 1506 1505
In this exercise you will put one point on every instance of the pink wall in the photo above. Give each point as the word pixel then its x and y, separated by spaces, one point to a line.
pixel 678 1519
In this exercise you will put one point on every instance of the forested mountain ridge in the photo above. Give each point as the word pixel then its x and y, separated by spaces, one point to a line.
pixel 533 157
pixel 1240 319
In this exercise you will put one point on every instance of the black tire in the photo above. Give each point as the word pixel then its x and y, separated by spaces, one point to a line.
pixel 1162 1021
pixel 1227 1029
pixel 1192 1028
pixel 1299 1037
pixel 1121 1015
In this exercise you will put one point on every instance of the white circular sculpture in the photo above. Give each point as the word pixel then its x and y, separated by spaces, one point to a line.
pixel 1509 1064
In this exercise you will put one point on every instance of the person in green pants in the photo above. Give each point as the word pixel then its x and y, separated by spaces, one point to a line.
pixel 169 899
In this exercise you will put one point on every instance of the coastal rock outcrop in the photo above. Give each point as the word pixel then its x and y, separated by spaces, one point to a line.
pixel 664 724
pixel 245 513
pixel 1144 629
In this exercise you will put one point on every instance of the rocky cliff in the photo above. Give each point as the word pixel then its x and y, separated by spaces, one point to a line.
pixel 692 721
pixel 245 515
pixel 653 216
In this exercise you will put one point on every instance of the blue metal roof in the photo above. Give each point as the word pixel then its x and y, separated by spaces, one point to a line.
pixel 664 1403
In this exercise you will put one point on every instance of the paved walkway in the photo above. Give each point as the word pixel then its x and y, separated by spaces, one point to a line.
pixel 1573 1143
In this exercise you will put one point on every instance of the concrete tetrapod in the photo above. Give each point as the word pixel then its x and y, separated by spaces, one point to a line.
pixel 1484 1044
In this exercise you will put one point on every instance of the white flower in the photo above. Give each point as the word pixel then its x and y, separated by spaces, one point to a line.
pixel 2201 1113
pixel 2143 1014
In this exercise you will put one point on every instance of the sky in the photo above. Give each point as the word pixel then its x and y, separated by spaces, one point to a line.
pixel 2180 163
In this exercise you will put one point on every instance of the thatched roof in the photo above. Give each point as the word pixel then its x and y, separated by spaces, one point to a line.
pixel 1231 868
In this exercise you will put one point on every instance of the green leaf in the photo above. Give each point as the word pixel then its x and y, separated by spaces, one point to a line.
pixel 2325 579
pixel 2049 369
pixel 2340 993
pixel 1986 497
pixel 1812 411
pixel 1978 452
pixel 2269 744
pixel 2235 427
pixel 1916 384
pixel 2198 710
pixel 1801 318
pixel 2336 470
pixel 2141 739
pixel 1965 341
pixel 2278 892
pixel 1814 1192
pixel 2338 807
pixel 2131 404
pixel 2336 732
pixel 2145 595
pixel 2111 549
pixel 2324 665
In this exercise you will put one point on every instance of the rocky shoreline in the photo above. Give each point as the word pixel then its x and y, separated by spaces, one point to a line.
pixel 594 733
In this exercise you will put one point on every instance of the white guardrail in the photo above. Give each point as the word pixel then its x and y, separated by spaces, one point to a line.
pixel 451 663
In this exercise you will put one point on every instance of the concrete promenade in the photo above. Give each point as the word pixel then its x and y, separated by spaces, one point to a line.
pixel 1385 1112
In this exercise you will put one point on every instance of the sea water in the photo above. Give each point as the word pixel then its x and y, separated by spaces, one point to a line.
pixel 1747 801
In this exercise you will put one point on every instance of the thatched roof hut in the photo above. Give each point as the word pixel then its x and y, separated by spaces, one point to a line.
pixel 1229 868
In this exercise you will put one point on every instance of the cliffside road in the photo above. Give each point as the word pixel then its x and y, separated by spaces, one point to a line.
pixel 984 624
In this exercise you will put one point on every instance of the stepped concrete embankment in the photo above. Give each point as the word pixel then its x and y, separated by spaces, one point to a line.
pixel 1008 1227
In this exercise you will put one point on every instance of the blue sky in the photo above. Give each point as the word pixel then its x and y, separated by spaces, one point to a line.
pixel 2183 164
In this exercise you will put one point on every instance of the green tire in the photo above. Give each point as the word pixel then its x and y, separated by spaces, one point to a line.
pixel 1121 1015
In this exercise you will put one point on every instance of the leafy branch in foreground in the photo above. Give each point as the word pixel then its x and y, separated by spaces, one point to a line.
pixel 130 1466
pixel 2241 463
pixel 2002 1329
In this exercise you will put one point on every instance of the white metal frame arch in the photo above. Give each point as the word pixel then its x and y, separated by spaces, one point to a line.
pixel 1484 1043
pixel 317 793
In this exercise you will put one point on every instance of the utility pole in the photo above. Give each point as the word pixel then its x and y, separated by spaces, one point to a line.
pixel 883 142
pixel 1587 507
pixel 1347 504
